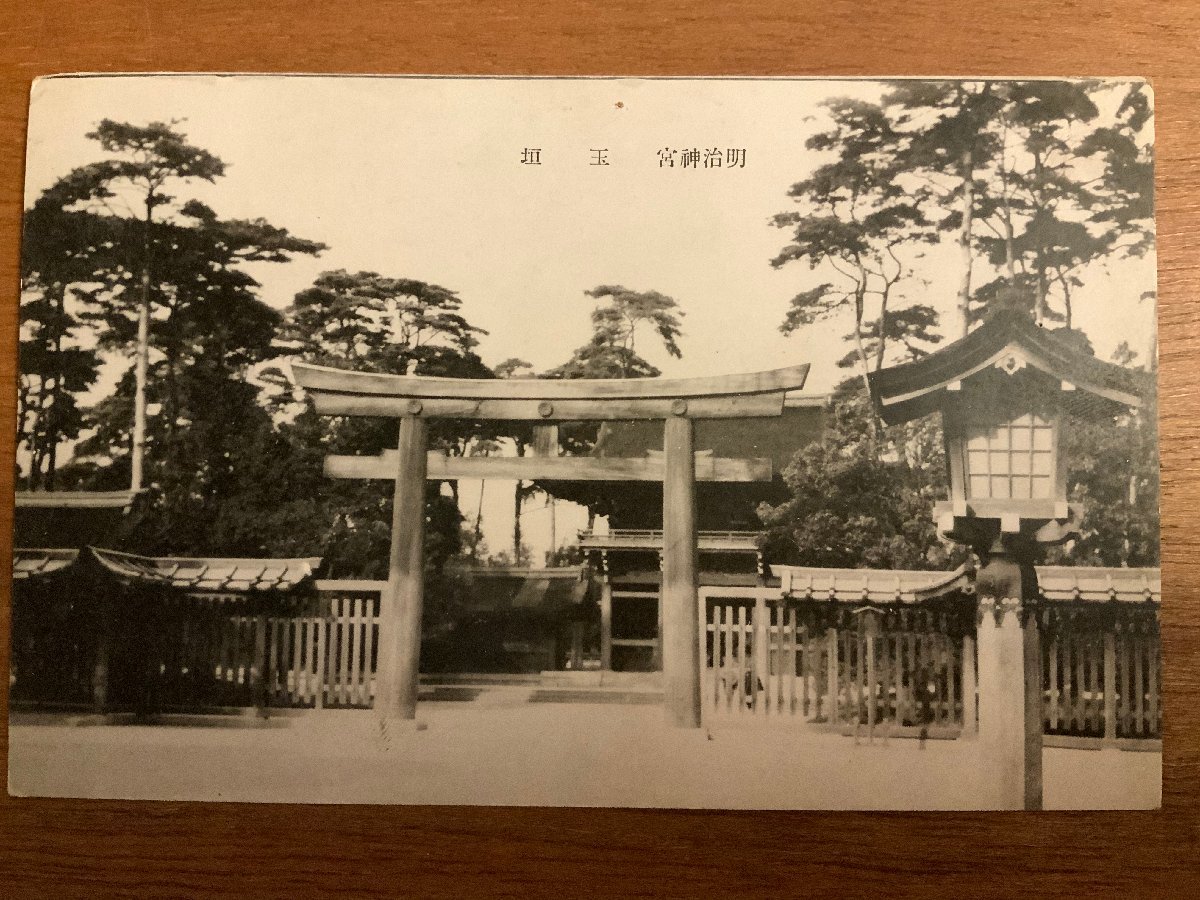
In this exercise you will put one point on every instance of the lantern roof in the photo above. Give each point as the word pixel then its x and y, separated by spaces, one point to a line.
pixel 1009 341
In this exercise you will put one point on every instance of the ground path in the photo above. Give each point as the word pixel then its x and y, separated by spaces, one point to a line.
pixel 507 751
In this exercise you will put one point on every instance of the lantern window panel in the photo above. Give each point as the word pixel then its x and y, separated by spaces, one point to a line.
pixel 1043 463
pixel 1011 460
pixel 1043 487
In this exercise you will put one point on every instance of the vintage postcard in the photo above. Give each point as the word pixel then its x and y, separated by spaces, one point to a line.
pixel 710 443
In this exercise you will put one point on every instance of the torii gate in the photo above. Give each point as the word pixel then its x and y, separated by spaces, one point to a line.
pixel 415 399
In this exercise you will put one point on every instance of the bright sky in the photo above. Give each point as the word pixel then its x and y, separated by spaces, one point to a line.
pixel 422 178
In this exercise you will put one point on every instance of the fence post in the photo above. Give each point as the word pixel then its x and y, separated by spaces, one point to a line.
pixel 320 649
pixel 970 721
pixel 762 652
pixel 1110 685
pixel 831 675
pixel 606 625
pixel 103 649
pixel 260 663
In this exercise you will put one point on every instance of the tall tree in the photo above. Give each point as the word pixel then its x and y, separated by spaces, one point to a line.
pixel 134 182
pixel 379 323
pixel 208 330
pixel 616 324
pixel 853 218
pixel 1040 195
pixel 1008 157
pixel 372 322
pixel 612 352
pixel 207 321
pixel 58 359
pixel 943 139
pixel 1123 193
pixel 852 507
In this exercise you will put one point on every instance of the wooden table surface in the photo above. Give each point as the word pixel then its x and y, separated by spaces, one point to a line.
pixel 54 848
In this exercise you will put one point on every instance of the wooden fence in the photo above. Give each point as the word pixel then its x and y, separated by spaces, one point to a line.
pixel 327 659
pixel 896 668
pixel 320 656
pixel 166 651
pixel 912 669
pixel 1102 671
pixel 832 664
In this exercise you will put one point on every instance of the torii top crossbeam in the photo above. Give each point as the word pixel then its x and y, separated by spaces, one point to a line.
pixel 341 392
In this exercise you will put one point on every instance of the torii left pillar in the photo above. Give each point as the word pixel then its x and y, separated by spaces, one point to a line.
pixel 398 669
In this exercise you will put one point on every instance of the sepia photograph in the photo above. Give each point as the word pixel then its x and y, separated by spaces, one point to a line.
pixel 726 443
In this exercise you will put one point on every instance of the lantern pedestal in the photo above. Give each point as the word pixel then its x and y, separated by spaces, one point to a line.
pixel 1010 673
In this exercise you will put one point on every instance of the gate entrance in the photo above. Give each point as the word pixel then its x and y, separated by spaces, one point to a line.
pixel 415 399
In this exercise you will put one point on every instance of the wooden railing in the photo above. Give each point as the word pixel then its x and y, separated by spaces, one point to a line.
pixel 1102 671
pixel 652 539
pixel 199 651
pixel 326 660
pixel 833 664
pixel 911 669
pixel 899 668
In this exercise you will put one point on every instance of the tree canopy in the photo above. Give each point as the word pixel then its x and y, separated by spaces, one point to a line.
pixel 1037 185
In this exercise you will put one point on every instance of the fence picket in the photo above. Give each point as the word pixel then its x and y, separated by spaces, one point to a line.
pixel 1055 693
pixel 343 621
pixel 1153 667
pixel 364 635
pixel 898 677
pixel 718 654
pixel 1139 685
pixel 321 648
pixel 798 665
pixel 1130 650
pixel 1093 689
pixel 354 648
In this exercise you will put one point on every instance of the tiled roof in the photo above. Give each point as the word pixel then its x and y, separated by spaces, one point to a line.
pixel 1061 583
pixel 1085 583
pixel 492 589
pixel 201 574
pixel 868 585
pixel 37 563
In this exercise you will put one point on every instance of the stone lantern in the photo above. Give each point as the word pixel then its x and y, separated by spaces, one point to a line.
pixel 1007 393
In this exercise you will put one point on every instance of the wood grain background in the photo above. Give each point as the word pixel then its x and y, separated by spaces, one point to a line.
pixel 55 848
